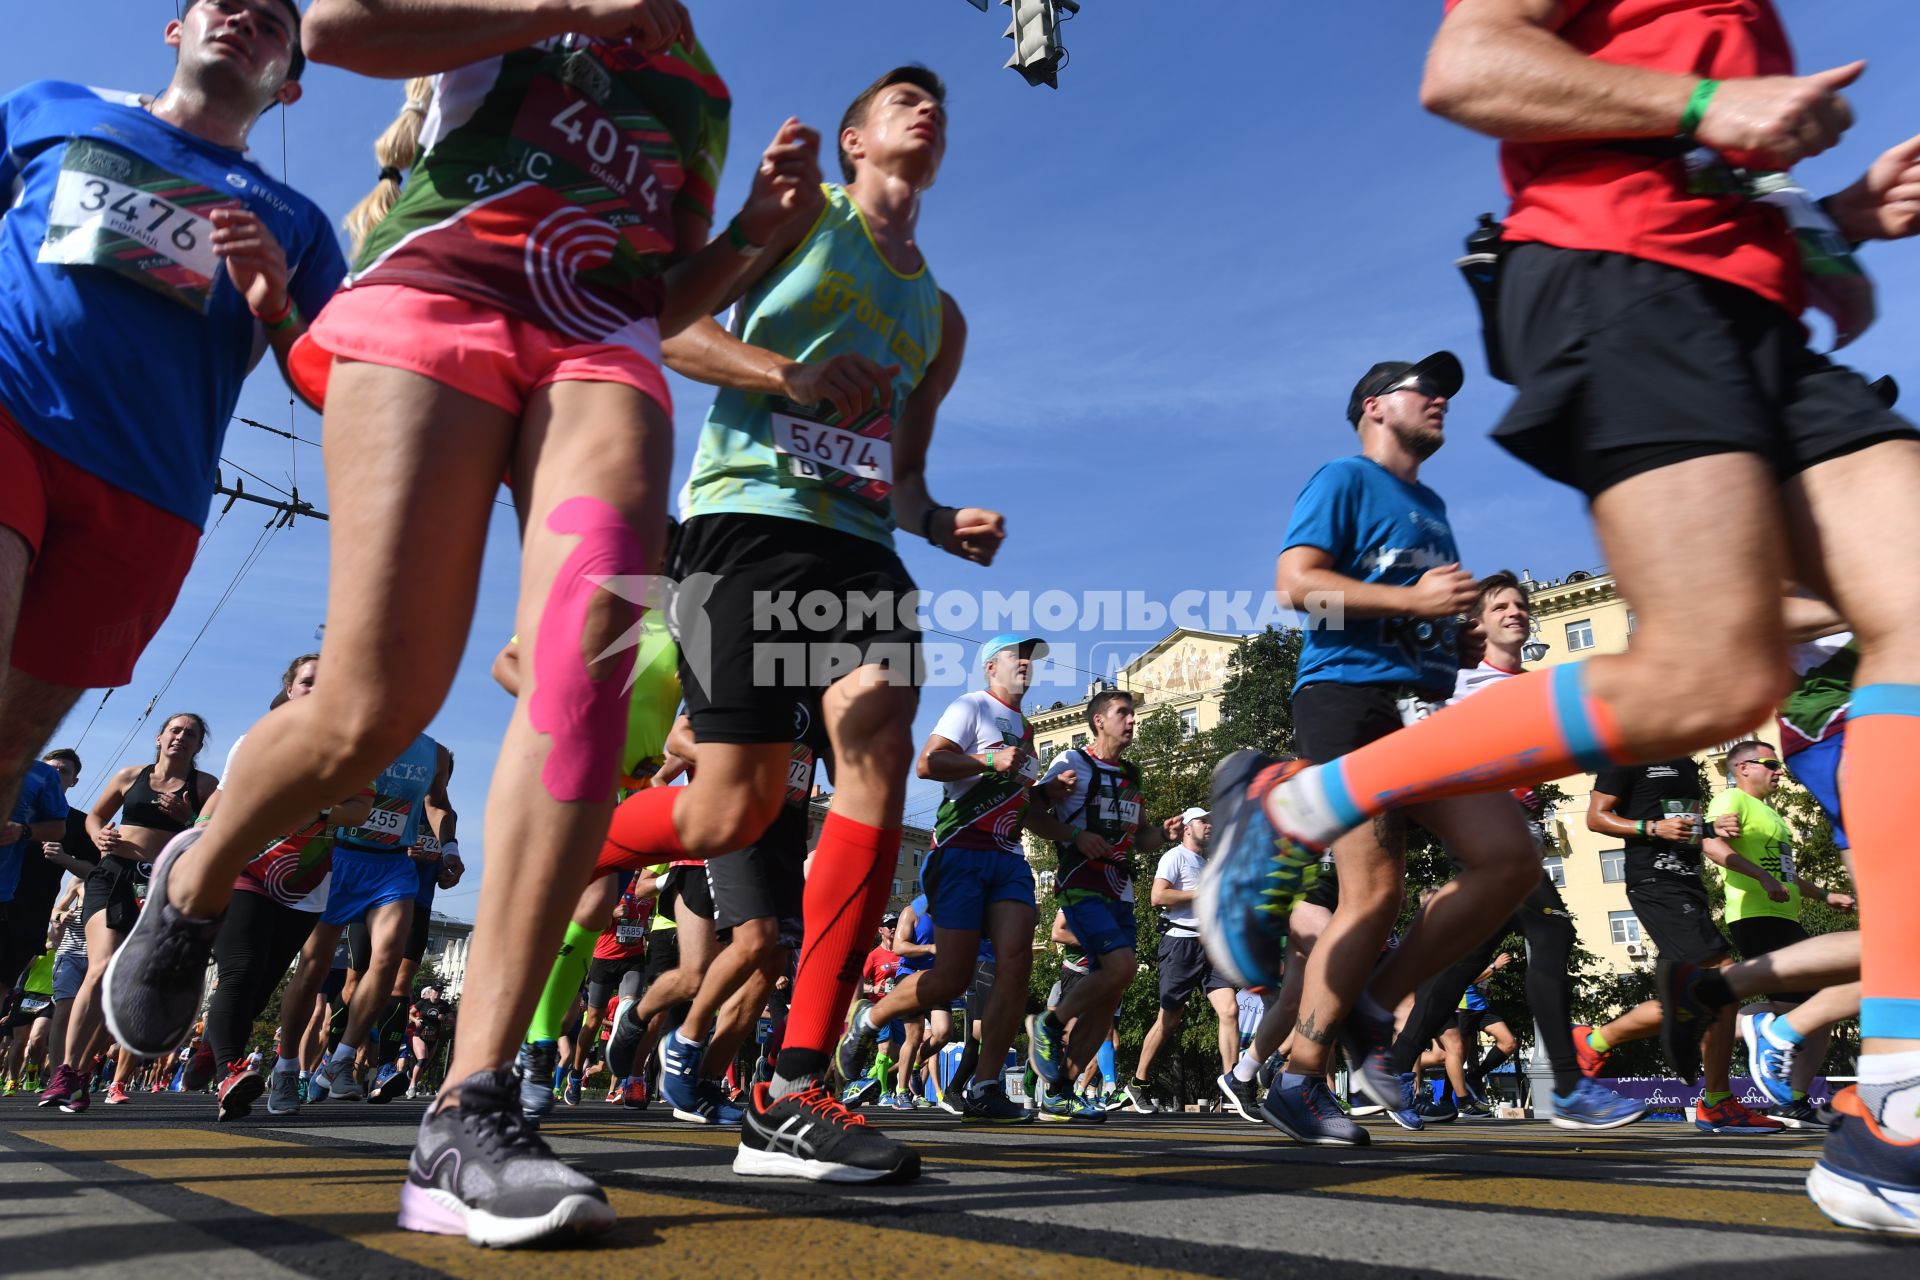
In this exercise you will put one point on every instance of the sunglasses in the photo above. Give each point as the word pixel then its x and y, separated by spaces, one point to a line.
pixel 1414 382
pixel 1766 764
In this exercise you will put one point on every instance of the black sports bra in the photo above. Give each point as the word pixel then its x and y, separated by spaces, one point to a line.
pixel 140 807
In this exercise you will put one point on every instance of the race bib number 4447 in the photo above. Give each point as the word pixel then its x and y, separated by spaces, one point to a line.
pixel 114 211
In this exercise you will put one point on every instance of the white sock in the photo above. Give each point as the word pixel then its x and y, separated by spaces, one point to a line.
pixel 344 1050
pixel 1299 807
pixel 867 1024
pixel 286 1064
pixel 1890 1086
pixel 1247 1068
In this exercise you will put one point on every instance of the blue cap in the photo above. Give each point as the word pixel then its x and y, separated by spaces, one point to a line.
pixel 1011 641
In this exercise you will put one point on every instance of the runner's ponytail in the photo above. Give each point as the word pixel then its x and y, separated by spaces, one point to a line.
pixel 396 150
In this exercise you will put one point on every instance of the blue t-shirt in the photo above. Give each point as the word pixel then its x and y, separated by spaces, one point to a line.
pixel 922 935
pixel 1473 999
pixel 123 343
pixel 399 802
pixel 429 882
pixel 1378 528
pixel 42 798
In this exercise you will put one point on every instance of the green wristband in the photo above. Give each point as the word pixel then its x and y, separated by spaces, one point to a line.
pixel 989 760
pixel 1697 107
pixel 738 242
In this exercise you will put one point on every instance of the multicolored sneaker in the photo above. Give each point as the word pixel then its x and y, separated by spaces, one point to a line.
pixel 237 1092
pixel 855 1050
pixel 634 1096
pixel 900 1100
pixel 1309 1113
pixel 1866 1177
pixel 1730 1115
pixel 1684 1018
pixel 991 1105
pixel 1046 1050
pixel 1256 873
pixel 807 1134
pixel 1592 1061
pixel 479 1169
pixel 1594 1106
pixel 571 1094
pixel 862 1091
pixel 1769 1062
pixel 389 1084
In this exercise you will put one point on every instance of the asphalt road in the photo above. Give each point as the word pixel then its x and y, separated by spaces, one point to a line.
pixel 159 1186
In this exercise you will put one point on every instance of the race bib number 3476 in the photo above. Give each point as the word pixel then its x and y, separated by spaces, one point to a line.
pixel 114 211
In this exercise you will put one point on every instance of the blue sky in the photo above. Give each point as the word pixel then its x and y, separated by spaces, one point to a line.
pixel 1173 271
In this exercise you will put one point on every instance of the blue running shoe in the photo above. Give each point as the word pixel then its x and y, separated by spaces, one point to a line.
pixel 710 1105
pixel 860 1092
pixel 1592 1105
pixel 1255 875
pixel 1046 1050
pixel 1866 1177
pixel 1058 1108
pixel 571 1093
pixel 535 1065
pixel 1768 1062
pixel 855 1050
pixel 680 1075
pixel 1369 1043
pixel 1308 1113
pixel 389 1084
pixel 901 1101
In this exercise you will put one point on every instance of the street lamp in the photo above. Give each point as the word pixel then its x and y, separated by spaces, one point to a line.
pixel 1536 648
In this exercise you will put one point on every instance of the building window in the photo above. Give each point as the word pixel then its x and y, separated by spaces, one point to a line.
pixel 1623 926
pixel 1079 740
pixel 1047 751
pixel 1556 870
pixel 1613 865
pixel 1580 635
pixel 896 888
pixel 1189 722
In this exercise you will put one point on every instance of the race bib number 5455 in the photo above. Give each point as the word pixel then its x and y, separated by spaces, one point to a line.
pixel 114 211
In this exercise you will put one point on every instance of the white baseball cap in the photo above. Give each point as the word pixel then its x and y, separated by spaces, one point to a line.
pixel 1195 812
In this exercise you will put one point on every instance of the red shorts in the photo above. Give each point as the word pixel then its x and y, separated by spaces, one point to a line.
pixel 106 566
pixel 486 353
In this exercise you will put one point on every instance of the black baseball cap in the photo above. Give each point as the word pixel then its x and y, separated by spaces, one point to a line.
pixel 1442 369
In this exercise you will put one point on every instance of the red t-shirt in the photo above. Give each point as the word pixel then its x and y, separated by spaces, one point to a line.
pixel 626 938
pixel 881 971
pixel 1586 195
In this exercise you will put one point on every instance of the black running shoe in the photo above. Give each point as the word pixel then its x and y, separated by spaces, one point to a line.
pixel 992 1106
pixel 623 1045
pixel 808 1134
pixel 153 983
pixel 1683 1018
pixel 480 1169
pixel 1243 1097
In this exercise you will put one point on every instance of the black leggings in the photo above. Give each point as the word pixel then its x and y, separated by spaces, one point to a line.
pixel 1548 929
pixel 257 942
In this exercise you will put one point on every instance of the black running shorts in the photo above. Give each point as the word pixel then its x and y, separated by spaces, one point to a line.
pixel 1184 968
pixel 766 880
pixel 1677 916
pixel 1758 935
pixel 771 611
pixel 604 977
pixel 1625 366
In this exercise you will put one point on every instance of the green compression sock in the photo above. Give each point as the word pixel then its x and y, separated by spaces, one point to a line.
pixel 563 984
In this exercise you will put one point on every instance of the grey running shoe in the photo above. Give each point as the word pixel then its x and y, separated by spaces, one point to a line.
pixel 153 983
pixel 283 1093
pixel 992 1106
pixel 1800 1114
pixel 535 1065
pixel 479 1169
pixel 1141 1098
pixel 334 1078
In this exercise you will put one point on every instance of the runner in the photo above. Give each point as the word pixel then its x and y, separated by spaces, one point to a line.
pixel 1184 968
pixel 618 968
pixel 1095 822
pixel 771 518
pixel 28 1025
pixel 419 431
pixel 979 886
pixel 279 895
pixel 1672 455
pixel 439 866
pixel 127 324
pixel 757 899
pixel 39 815
pixel 429 1022
pixel 880 972
pixel 1367 528
pixel 151 812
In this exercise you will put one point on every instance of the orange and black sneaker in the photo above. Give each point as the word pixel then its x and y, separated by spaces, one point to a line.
pixel 1866 1177
pixel 1730 1115
pixel 808 1134
pixel 238 1092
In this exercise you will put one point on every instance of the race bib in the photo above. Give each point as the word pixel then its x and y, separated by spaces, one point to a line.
pixel 800 774
pixel 108 211
pixel 628 935
pixel 858 458
pixel 384 825
pixel 34 1002
pixel 1030 768
pixel 1785 874
pixel 580 144
pixel 427 845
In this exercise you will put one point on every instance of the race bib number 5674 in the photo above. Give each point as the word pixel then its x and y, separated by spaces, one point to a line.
pixel 114 211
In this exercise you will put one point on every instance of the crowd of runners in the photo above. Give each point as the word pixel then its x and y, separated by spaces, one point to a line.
pixel 541 244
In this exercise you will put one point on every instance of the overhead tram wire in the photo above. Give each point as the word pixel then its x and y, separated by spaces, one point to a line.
pixel 315 444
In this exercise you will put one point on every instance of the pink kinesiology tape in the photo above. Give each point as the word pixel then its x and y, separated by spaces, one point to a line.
pixel 585 718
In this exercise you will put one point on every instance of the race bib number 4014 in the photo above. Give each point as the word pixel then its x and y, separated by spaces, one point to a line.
pixel 116 212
